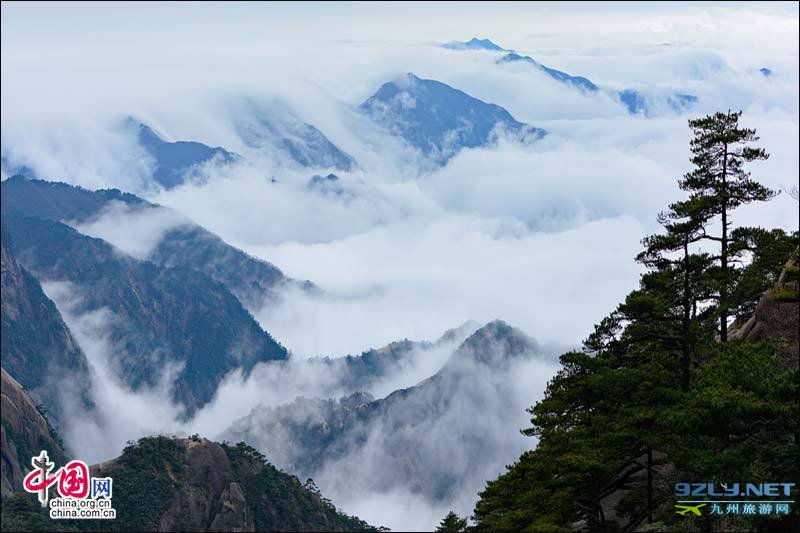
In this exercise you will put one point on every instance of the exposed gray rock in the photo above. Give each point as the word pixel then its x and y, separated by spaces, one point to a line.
pixel 25 432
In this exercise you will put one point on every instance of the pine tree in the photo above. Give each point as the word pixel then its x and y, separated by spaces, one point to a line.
pixel 681 286
pixel 619 420
pixel 717 185
pixel 768 251
pixel 452 523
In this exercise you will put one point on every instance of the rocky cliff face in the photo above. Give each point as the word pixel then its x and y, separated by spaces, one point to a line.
pixel 777 316
pixel 37 347
pixel 25 432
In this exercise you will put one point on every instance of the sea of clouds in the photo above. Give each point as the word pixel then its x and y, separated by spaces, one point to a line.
pixel 541 236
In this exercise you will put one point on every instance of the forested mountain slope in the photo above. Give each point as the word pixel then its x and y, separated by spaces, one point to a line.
pixel 193 484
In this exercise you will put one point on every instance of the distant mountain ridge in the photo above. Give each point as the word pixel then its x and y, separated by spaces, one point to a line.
pixel 272 129
pixel 640 103
pixel 278 129
pixel 635 101
pixel 579 82
pixel 361 372
pixel 407 429
pixel 254 281
pixel 175 160
pixel 440 120
pixel 474 44
pixel 161 316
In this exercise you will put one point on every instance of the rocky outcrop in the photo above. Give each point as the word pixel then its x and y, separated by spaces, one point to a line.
pixel 205 470
pixel 194 484
pixel 25 432
pixel 233 514
pixel 777 316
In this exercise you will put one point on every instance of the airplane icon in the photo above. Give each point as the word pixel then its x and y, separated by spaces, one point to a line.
pixel 685 509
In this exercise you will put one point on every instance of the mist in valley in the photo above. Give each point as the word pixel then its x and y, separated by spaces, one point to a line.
pixel 539 235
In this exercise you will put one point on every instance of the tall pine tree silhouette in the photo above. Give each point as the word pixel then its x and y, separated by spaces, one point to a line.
pixel 717 185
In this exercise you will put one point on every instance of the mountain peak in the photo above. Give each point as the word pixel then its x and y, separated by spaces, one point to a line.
pixel 483 43
pixel 513 56
pixel 440 120
pixel 17 178
pixel 173 161
pixel 206 486
pixel 329 185
pixel 495 344
pixel 462 331
pixel 474 44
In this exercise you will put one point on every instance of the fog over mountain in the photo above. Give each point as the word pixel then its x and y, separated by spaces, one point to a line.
pixel 439 120
pixel 356 240
pixel 439 439
pixel 174 160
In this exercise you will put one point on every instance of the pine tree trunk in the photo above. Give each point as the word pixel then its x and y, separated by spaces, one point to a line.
pixel 649 485
pixel 686 322
pixel 723 293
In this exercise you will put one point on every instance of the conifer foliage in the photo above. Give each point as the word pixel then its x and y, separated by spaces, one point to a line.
pixel 659 393
pixel 717 185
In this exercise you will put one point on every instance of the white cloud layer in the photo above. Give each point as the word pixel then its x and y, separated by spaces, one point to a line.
pixel 541 236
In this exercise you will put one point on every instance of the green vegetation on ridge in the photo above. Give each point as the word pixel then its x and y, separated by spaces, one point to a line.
pixel 166 484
